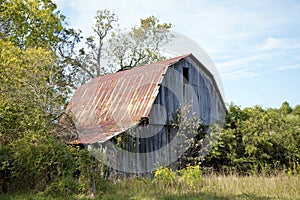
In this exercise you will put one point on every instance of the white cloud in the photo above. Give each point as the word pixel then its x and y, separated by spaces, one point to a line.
pixel 239 62
pixel 240 74
pixel 274 43
pixel 295 66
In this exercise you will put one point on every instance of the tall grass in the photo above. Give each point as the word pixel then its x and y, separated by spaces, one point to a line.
pixel 214 186
pixel 280 186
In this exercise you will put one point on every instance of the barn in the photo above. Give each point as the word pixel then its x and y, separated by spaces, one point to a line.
pixel 126 119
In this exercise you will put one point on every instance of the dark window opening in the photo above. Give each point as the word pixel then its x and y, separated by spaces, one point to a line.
pixel 185 75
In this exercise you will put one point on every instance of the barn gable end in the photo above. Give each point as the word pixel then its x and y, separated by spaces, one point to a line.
pixel 188 82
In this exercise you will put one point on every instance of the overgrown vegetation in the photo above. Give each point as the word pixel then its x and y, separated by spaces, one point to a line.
pixel 257 140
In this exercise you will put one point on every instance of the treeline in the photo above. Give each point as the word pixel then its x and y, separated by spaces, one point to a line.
pixel 258 140
pixel 33 93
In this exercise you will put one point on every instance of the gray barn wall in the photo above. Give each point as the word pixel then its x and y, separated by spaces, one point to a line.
pixel 201 93
pixel 144 148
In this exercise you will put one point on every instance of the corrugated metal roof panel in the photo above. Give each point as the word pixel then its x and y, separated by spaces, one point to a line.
pixel 111 104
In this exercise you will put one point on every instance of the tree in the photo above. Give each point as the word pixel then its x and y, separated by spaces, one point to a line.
pixel 257 140
pixel 32 98
pixel 34 51
pixel 86 66
pixel 285 108
pixel 28 23
pixel 33 91
pixel 296 110
pixel 119 49
pixel 33 81
pixel 141 45
pixel 104 24
pixel 38 24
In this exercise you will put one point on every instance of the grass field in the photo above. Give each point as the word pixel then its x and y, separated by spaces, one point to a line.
pixel 217 187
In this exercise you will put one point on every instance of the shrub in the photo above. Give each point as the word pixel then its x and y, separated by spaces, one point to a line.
pixel 191 178
pixel 185 180
pixel 39 163
pixel 165 177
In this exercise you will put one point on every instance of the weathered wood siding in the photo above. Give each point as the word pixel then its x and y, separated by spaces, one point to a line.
pixel 143 148
pixel 200 92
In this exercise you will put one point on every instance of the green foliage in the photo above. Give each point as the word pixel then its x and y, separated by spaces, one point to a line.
pixel 191 177
pixel 141 45
pixel 257 140
pixel 75 175
pixel 90 63
pixel 33 94
pixel 296 111
pixel 38 24
pixel 39 163
pixel 33 91
pixel 37 158
pixel 188 179
pixel 28 23
pixel 165 177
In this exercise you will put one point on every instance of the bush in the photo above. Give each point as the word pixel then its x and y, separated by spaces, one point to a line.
pixel 39 163
pixel 257 141
pixel 188 179
pixel 165 177
pixel 191 178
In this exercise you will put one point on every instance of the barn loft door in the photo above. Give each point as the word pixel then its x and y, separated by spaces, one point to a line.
pixel 185 73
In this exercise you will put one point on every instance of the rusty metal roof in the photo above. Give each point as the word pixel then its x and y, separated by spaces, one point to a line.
pixel 111 104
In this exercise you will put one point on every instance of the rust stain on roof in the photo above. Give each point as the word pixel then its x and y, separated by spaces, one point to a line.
pixel 111 104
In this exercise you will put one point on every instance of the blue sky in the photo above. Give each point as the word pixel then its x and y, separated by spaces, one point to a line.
pixel 255 45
